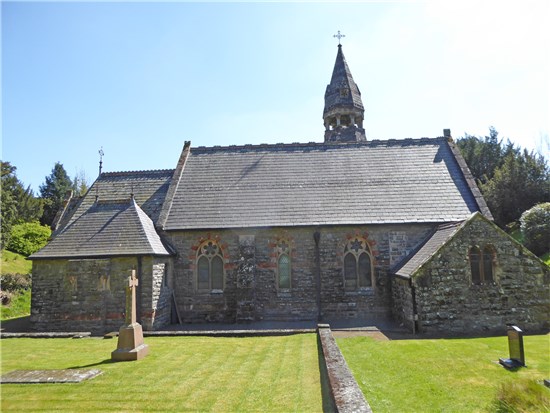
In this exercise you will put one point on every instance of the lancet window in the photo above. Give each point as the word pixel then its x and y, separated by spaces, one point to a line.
pixel 482 264
pixel 284 268
pixel 210 272
pixel 358 265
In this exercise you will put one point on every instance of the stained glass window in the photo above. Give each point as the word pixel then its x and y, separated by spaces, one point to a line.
pixel 357 265
pixel 217 273
pixel 284 271
pixel 364 270
pixel 209 267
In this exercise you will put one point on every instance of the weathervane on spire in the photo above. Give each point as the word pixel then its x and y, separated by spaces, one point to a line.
pixel 339 36
pixel 101 153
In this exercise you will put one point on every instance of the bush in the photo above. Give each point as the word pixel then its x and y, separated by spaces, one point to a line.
pixel 535 227
pixel 522 396
pixel 28 238
pixel 5 297
pixel 15 282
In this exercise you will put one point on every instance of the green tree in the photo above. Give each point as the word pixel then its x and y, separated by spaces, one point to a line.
pixel 9 204
pixel 519 183
pixel 80 183
pixel 535 227
pixel 28 238
pixel 53 192
pixel 18 204
pixel 483 155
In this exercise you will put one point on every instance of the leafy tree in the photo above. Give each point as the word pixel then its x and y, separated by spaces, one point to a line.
pixel 29 207
pixel 81 183
pixel 18 204
pixel 511 180
pixel 483 155
pixel 522 181
pixel 535 227
pixel 28 238
pixel 9 203
pixel 53 192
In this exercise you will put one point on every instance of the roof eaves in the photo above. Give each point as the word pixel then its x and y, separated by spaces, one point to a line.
pixel 470 180
pixel 148 229
pixel 174 183
pixel 458 225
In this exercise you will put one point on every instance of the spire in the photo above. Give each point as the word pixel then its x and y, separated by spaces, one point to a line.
pixel 344 112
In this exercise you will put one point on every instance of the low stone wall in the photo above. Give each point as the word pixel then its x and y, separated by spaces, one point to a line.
pixel 343 388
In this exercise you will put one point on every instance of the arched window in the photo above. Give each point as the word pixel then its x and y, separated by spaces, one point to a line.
pixel 284 273
pixel 210 274
pixel 475 265
pixel 481 264
pixel 357 265
pixel 488 260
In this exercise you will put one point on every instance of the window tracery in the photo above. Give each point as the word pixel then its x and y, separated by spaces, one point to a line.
pixel 210 272
pixel 357 264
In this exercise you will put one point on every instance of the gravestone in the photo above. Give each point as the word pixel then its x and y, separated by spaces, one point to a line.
pixel 130 336
pixel 515 346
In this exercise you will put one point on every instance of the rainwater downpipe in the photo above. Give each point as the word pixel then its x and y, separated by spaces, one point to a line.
pixel 413 298
pixel 317 238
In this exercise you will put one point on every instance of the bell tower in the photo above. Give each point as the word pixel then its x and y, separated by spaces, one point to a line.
pixel 344 112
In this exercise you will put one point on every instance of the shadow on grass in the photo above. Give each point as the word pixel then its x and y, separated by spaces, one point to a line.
pixel 99 363
pixel 328 402
pixel 16 325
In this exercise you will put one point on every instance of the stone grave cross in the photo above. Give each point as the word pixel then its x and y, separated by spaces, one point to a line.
pixel 133 282
pixel 130 336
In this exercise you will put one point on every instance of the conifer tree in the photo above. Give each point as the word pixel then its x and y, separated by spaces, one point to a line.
pixel 53 192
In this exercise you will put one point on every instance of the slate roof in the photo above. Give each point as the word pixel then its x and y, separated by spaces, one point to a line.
pixel 107 228
pixel 436 240
pixel 149 189
pixel 372 182
pixel 342 78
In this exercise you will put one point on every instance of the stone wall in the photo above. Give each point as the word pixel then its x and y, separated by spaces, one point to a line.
pixel 162 293
pixel 90 294
pixel 447 301
pixel 251 289
pixel 402 303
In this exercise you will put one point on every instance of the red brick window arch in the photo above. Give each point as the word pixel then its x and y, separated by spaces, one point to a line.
pixel 210 271
pixel 482 263
pixel 358 264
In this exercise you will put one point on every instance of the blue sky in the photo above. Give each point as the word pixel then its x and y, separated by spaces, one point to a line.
pixel 138 79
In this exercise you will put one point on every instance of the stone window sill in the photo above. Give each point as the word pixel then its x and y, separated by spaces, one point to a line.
pixel 211 292
pixel 361 291
pixel 484 285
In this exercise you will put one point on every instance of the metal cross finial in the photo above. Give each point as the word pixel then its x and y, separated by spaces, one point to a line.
pixel 101 153
pixel 339 36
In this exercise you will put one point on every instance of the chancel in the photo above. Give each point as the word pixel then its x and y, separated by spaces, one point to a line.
pixel 346 228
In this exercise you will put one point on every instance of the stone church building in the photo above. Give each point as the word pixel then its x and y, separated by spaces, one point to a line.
pixel 371 231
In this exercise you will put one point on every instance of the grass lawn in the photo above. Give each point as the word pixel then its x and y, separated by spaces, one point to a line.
pixel 12 263
pixel 267 374
pixel 454 375
pixel 20 306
